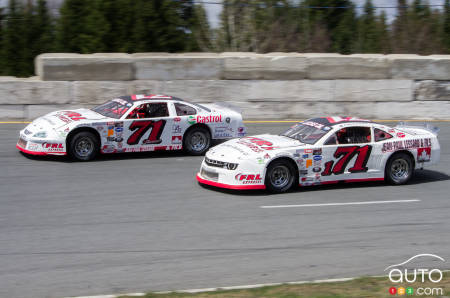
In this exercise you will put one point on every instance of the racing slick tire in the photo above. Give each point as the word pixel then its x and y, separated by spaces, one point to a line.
pixel 280 176
pixel 83 146
pixel 399 169
pixel 197 140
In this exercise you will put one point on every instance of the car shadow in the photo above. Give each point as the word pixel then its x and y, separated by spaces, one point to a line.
pixel 117 156
pixel 420 177
pixel 109 157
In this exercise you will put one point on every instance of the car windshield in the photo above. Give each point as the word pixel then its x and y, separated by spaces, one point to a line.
pixel 114 108
pixel 307 132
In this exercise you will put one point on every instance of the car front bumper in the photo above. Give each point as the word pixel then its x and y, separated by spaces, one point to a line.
pixel 229 179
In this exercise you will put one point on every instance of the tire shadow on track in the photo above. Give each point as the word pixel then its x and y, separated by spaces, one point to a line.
pixel 420 177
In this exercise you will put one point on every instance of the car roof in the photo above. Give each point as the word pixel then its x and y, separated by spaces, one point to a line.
pixel 142 97
pixel 334 120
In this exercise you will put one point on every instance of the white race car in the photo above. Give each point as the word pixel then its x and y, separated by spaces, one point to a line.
pixel 131 124
pixel 321 151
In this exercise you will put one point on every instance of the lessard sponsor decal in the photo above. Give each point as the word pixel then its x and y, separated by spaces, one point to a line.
pixel 406 144
pixel 204 119
pixel 406 273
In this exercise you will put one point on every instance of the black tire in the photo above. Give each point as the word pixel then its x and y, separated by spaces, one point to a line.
pixel 399 169
pixel 280 176
pixel 197 140
pixel 84 146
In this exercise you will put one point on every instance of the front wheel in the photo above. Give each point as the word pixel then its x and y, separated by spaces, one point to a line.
pixel 83 146
pixel 280 176
pixel 399 169
pixel 197 140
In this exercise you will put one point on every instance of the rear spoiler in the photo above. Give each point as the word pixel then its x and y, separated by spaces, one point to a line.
pixel 422 125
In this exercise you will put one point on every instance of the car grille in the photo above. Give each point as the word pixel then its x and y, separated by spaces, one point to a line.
pixel 22 143
pixel 215 163
pixel 209 175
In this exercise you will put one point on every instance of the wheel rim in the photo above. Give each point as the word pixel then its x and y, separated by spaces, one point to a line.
pixel 198 141
pixel 399 170
pixel 280 176
pixel 84 147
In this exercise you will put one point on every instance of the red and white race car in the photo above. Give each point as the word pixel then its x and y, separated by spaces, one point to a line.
pixel 321 151
pixel 131 124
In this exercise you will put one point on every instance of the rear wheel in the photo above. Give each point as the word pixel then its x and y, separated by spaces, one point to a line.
pixel 83 146
pixel 197 140
pixel 399 169
pixel 280 176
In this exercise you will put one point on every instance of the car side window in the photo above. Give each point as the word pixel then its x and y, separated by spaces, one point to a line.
pixel 350 135
pixel 381 135
pixel 184 110
pixel 149 110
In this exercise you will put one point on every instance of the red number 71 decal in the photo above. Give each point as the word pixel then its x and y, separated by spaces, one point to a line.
pixel 345 154
pixel 142 127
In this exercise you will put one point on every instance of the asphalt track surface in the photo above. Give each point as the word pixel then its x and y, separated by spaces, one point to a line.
pixel 140 222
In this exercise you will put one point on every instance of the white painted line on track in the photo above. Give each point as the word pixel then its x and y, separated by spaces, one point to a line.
pixel 339 204
pixel 242 287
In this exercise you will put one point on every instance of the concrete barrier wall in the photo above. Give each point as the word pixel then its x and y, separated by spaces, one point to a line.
pixel 269 86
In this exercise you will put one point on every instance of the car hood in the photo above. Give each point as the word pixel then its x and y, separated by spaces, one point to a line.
pixel 252 146
pixel 58 119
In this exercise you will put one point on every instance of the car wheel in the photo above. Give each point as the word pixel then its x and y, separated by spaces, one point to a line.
pixel 197 140
pixel 399 169
pixel 280 176
pixel 83 146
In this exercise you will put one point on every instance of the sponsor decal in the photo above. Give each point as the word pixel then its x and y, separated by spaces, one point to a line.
pixel 235 148
pixel 228 120
pixel 177 119
pixel 118 139
pixel 317 157
pixel 317 163
pixel 267 156
pixel 248 179
pixel 53 147
pixel 73 116
pixel 300 162
pixel 108 149
pixel 308 163
pixel 305 156
pixel 110 131
pixel 317 151
pixel 242 132
pixel 256 144
pixel 317 169
pixel 100 128
pixel 303 172
pixel 118 124
pixel 204 119
pixel 414 270
pixel 314 124
pixel 177 139
pixel 260 160
pixel 33 146
pixel 308 151
pixel 424 154
pixel 176 128
pixel 344 119
pixel 400 135
pixel 223 132
pixel 119 129
pixel 406 144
